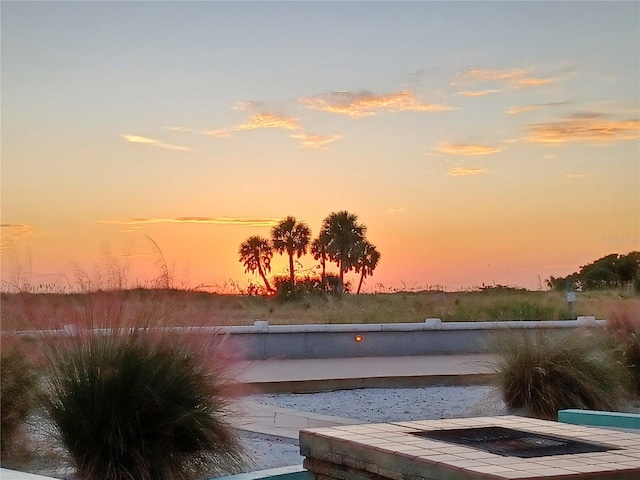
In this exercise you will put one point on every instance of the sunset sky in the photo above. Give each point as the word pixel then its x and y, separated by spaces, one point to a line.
pixel 480 142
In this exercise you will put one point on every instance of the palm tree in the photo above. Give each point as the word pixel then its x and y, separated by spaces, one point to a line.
pixel 366 261
pixel 256 254
pixel 292 237
pixel 344 233
pixel 319 252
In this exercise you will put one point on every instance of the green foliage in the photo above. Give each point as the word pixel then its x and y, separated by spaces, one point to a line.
pixel 140 406
pixel 18 393
pixel 542 374
pixel 610 271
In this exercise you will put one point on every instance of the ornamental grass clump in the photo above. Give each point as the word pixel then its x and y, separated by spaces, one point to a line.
pixel 141 405
pixel 539 373
pixel 624 324
pixel 18 380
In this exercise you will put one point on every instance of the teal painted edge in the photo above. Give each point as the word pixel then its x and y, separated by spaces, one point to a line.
pixel 600 419
pixel 294 472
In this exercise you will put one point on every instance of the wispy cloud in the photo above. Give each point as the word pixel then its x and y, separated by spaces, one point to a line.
pixel 522 109
pixel 395 210
pixel 477 93
pixel 514 77
pixel 315 141
pixel 487 74
pixel 275 121
pixel 363 104
pixel 178 129
pixel 464 172
pixel 14 234
pixel 269 120
pixel 458 149
pixel 590 127
pixel 247 105
pixel 532 82
pixel 156 143
pixel 246 221
pixel 259 120
pixel 535 106
pixel 222 133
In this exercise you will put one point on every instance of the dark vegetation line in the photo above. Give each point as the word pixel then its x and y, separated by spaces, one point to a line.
pixel 342 240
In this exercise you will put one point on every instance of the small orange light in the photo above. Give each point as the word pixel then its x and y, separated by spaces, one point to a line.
pixel 358 338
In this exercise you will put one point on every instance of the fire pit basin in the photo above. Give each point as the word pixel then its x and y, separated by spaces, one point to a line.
pixel 514 443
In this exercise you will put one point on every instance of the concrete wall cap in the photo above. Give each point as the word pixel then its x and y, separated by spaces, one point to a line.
pixel 356 327
pixel 433 324
pixel 261 325
pixel 297 328
pixel 586 320
pixel 403 327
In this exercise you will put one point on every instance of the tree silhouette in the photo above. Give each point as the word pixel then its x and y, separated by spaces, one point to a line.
pixel 319 252
pixel 344 233
pixel 292 237
pixel 256 254
pixel 366 261
pixel 610 271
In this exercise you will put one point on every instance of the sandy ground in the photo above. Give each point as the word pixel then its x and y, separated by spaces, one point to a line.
pixel 372 405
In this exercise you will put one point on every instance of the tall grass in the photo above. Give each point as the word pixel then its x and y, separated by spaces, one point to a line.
pixel 177 307
pixel 141 406
pixel 18 380
pixel 128 400
pixel 541 374
pixel 624 324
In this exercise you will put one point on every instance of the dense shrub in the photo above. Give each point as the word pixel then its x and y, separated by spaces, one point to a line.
pixel 308 286
pixel 542 374
pixel 139 406
pixel 17 393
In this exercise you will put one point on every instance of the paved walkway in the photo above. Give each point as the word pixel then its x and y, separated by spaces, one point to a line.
pixel 283 423
pixel 311 375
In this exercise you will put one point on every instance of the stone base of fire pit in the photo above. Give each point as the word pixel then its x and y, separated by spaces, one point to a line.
pixel 505 448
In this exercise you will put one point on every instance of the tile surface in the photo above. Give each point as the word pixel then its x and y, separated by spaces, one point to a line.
pixel 393 448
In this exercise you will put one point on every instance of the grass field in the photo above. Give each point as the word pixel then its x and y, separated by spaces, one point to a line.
pixel 185 308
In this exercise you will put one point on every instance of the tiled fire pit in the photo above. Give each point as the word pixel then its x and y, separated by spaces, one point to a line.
pixel 470 448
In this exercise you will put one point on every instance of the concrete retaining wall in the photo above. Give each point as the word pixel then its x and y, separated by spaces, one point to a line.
pixel 433 337
pixel 262 341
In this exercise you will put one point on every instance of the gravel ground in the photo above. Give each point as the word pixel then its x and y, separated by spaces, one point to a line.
pixel 368 405
pixel 372 405
pixel 394 404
